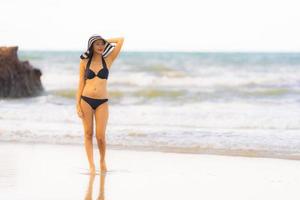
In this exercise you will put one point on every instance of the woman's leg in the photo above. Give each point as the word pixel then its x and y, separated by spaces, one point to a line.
pixel 101 116
pixel 87 120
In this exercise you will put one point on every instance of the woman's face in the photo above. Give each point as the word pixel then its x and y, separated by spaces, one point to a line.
pixel 98 46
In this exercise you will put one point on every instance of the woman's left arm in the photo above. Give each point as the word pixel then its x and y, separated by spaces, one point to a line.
pixel 119 43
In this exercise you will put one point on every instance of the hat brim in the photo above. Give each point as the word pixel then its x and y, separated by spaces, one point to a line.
pixel 109 47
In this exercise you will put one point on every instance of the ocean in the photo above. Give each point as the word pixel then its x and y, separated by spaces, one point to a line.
pixel 193 102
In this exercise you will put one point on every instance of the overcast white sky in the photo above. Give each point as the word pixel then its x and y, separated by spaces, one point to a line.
pixel 186 25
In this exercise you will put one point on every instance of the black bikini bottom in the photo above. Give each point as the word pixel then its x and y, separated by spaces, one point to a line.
pixel 94 103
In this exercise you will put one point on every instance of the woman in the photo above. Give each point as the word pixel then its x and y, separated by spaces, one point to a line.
pixel 92 95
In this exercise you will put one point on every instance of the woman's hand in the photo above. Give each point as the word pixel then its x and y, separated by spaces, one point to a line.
pixel 79 111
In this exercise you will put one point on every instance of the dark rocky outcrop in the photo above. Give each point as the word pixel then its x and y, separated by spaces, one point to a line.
pixel 18 78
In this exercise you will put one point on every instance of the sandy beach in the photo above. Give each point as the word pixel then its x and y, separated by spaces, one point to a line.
pixel 45 171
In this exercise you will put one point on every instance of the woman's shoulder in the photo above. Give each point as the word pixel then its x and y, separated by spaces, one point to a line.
pixel 83 62
pixel 108 62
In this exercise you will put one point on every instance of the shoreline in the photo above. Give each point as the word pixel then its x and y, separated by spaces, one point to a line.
pixel 197 151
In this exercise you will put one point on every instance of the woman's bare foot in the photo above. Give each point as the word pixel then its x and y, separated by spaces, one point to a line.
pixel 92 169
pixel 103 166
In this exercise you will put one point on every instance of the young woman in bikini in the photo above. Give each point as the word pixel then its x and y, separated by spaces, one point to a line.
pixel 92 94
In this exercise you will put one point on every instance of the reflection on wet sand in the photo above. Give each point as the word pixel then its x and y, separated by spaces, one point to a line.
pixel 89 192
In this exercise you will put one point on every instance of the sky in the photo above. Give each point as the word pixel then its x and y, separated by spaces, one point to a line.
pixel 153 25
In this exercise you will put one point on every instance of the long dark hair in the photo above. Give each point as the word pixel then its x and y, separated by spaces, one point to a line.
pixel 90 56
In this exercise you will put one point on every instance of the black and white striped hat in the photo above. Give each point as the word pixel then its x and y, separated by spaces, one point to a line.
pixel 107 50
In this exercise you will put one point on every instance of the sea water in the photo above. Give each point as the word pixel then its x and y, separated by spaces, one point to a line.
pixel 188 101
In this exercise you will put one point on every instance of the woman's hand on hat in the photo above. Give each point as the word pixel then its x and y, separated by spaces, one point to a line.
pixel 114 40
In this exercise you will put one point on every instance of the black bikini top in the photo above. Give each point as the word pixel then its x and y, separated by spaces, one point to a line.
pixel 103 73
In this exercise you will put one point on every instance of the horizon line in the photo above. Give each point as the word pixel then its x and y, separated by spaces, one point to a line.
pixel 173 51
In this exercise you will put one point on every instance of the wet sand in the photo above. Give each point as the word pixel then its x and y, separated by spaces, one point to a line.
pixel 45 171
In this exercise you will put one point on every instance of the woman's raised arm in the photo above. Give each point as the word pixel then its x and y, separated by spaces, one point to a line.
pixel 119 43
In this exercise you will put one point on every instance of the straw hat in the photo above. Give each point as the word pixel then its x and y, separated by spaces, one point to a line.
pixel 107 49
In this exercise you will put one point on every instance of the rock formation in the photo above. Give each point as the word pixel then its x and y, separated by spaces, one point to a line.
pixel 18 78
